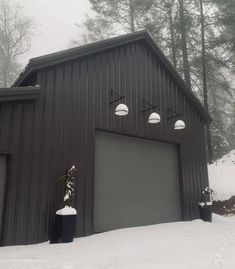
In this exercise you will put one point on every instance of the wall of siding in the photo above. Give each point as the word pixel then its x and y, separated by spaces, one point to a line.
pixel 48 136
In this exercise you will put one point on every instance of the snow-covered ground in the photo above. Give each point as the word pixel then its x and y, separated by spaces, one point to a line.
pixel 183 245
pixel 222 177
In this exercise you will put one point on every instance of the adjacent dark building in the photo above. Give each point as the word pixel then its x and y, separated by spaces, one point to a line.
pixel 130 172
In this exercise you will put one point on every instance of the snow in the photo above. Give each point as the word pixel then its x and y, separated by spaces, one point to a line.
pixel 222 177
pixel 205 204
pixel 67 210
pixel 180 245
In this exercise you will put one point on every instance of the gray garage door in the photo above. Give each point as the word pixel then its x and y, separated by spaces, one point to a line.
pixel 136 182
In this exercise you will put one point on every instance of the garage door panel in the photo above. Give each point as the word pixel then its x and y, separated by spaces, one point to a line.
pixel 147 185
pixel 142 211
pixel 136 182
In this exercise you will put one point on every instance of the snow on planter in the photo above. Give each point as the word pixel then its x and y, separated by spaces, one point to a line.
pixel 67 210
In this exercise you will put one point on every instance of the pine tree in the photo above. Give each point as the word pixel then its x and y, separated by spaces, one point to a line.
pixel 165 30
pixel 210 64
pixel 231 129
pixel 204 80
pixel 115 17
pixel 184 45
pixel 227 19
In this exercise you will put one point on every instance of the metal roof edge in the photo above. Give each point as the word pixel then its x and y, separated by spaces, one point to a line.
pixel 19 93
pixel 77 52
pixel 179 79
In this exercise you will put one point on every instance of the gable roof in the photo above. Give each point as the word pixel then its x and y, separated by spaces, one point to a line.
pixel 74 53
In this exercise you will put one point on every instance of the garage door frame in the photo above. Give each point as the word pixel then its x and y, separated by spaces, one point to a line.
pixel 5 194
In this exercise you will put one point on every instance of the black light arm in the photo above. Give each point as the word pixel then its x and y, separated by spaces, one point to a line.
pixel 117 99
pixel 176 114
pixel 151 107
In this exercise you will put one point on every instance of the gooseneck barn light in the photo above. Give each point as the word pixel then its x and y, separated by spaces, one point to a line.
pixel 154 117
pixel 121 109
pixel 179 124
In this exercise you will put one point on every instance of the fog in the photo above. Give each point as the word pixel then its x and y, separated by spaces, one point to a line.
pixel 55 24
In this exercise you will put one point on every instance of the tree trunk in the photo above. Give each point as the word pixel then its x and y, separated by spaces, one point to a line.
pixel 172 37
pixel 132 16
pixel 184 45
pixel 204 78
pixel 5 73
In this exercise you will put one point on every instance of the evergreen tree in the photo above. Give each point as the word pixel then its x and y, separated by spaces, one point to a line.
pixel 165 29
pixel 219 108
pixel 184 45
pixel 210 66
pixel 231 129
pixel 114 18
pixel 227 19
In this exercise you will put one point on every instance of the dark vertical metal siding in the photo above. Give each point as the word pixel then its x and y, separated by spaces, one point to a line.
pixel 16 126
pixel 47 137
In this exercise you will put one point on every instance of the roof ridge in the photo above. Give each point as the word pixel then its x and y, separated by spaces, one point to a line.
pixel 95 44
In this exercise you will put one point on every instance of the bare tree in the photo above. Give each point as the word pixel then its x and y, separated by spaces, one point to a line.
pixel 16 31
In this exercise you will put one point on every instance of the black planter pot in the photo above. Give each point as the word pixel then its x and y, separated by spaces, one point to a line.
pixel 63 229
pixel 206 213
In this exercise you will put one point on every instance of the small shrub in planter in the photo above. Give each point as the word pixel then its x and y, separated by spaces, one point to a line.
pixel 64 226
pixel 205 205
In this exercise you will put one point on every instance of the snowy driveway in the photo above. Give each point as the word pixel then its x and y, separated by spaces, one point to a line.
pixel 184 245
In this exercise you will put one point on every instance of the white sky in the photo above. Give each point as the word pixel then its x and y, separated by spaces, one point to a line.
pixel 55 21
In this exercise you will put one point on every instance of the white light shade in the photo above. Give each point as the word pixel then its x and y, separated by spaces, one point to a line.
pixel 179 125
pixel 154 118
pixel 121 110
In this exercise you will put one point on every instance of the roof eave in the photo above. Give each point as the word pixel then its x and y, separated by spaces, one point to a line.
pixel 19 94
pixel 71 54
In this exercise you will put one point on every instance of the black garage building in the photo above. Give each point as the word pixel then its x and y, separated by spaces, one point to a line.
pixel 130 172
